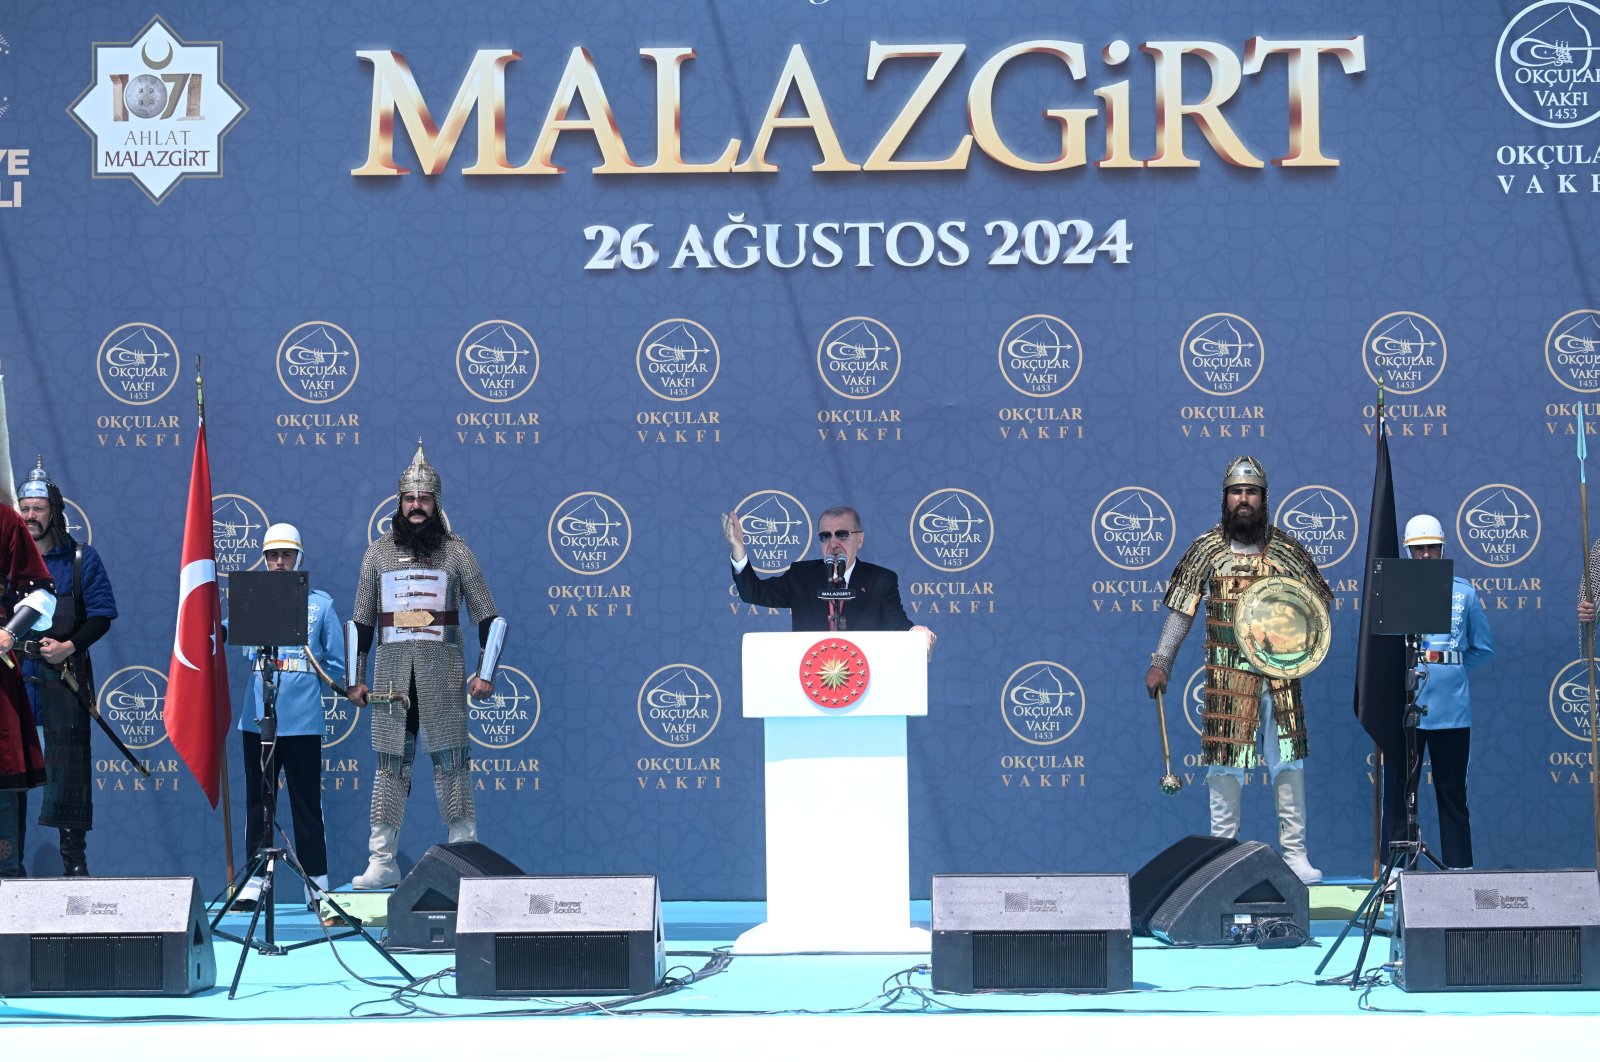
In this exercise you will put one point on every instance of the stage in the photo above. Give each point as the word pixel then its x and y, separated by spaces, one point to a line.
pixel 344 1001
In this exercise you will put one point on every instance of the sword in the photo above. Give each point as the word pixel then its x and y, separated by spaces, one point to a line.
pixel 94 713
pixel 399 700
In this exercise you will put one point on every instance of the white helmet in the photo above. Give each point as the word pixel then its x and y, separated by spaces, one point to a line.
pixel 1424 530
pixel 284 536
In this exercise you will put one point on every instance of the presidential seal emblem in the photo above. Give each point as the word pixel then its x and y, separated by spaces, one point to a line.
pixel 834 673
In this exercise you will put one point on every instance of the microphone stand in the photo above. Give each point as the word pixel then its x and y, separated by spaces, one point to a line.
pixel 1403 855
pixel 268 857
pixel 836 621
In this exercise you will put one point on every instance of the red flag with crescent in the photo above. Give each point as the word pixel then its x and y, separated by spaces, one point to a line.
pixel 198 712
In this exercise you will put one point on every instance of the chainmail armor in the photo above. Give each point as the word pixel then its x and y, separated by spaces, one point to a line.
pixel 1173 631
pixel 434 672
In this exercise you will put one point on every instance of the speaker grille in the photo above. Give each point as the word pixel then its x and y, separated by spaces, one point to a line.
pixel 1477 958
pixel 110 962
pixel 1039 961
pixel 561 962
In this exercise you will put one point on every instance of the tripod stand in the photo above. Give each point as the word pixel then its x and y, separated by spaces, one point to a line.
pixel 1403 855
pixel 274 604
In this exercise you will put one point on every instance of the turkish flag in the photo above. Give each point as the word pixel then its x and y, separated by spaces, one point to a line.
pixel 198 712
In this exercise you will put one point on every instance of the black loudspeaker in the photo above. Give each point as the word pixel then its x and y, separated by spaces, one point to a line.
pixel 1031 933
pixel 1155 881
pixel 1234 898
pixel 1499 930
pixel 422 908
pixel 563 936
pixel 104 937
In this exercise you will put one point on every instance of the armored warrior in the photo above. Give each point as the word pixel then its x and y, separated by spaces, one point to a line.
pixel 413 583
pixel 58 671
pixel 1220 566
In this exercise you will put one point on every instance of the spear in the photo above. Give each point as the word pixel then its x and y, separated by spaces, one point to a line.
pixel 1588 628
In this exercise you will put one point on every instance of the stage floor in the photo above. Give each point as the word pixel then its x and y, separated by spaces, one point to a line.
pixel 343 1001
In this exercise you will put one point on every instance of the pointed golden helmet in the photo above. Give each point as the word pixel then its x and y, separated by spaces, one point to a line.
pixel 1245 471
pixel 420 476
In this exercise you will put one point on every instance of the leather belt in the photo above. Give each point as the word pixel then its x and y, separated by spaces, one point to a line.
pixel 413 618
pixel 1440 656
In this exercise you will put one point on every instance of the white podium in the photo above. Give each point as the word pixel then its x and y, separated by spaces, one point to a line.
pixel 838 854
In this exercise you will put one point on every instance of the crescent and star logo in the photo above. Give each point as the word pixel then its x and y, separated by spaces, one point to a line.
pixel 197 625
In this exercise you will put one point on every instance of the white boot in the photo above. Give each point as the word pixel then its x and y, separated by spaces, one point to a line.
pixel 463 830
pixel 321 882
pixel 1225 800
pixel 382 870
pixel 248 896
pixel 1290 788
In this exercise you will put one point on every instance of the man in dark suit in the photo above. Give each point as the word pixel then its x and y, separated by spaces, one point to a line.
pixel 875 601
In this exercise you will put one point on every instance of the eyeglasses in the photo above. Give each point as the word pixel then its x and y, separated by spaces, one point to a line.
pixel 842 536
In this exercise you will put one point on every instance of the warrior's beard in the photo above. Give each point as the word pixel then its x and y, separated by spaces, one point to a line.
pixel 422 540
pixel 1249 528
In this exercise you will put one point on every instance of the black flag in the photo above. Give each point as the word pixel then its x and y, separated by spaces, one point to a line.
pixel 1380 661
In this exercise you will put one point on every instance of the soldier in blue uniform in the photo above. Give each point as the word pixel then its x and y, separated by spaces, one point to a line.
pixel 1445 731
pixel 300 723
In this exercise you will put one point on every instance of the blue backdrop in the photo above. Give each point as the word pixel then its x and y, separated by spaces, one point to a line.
pixel 1015 281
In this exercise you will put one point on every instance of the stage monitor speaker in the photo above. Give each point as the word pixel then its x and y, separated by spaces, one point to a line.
pixel 104 937
pixel 1156 880
pixel 560 936
pixel 1496 930
pixel 1241 895
pixel 1031 933
pixel 422 908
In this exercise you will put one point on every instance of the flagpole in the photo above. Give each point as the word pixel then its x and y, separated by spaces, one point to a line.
pixel 1377 750
pixel 222 776
pixel 1588 628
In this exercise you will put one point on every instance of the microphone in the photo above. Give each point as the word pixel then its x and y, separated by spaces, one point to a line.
pixel 835 569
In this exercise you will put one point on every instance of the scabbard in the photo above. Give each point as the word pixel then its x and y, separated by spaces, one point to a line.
pixel 94 713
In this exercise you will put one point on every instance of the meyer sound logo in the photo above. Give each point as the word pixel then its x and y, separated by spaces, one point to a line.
pixel 1572 351
pixel 1322 519
pixel 1040 355
pixel 133 701
pixel 381 522
pixel 777 529
pixel 339 718
pixel 318 362
pixel 497 361
pixel 589 533
pixel 157 109
pixel 1042 702
pixel 1404 351
pixel 138 363
pixel 1569 700
pixel 679 705
pixel 508 715
pixel 859 358
pixel 678 359
pixel 1545 63
pixel 77 522
pixel 951 529
pixel 1132 528
pixel 1222 354
pixel 1498 525
pixel 237 524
